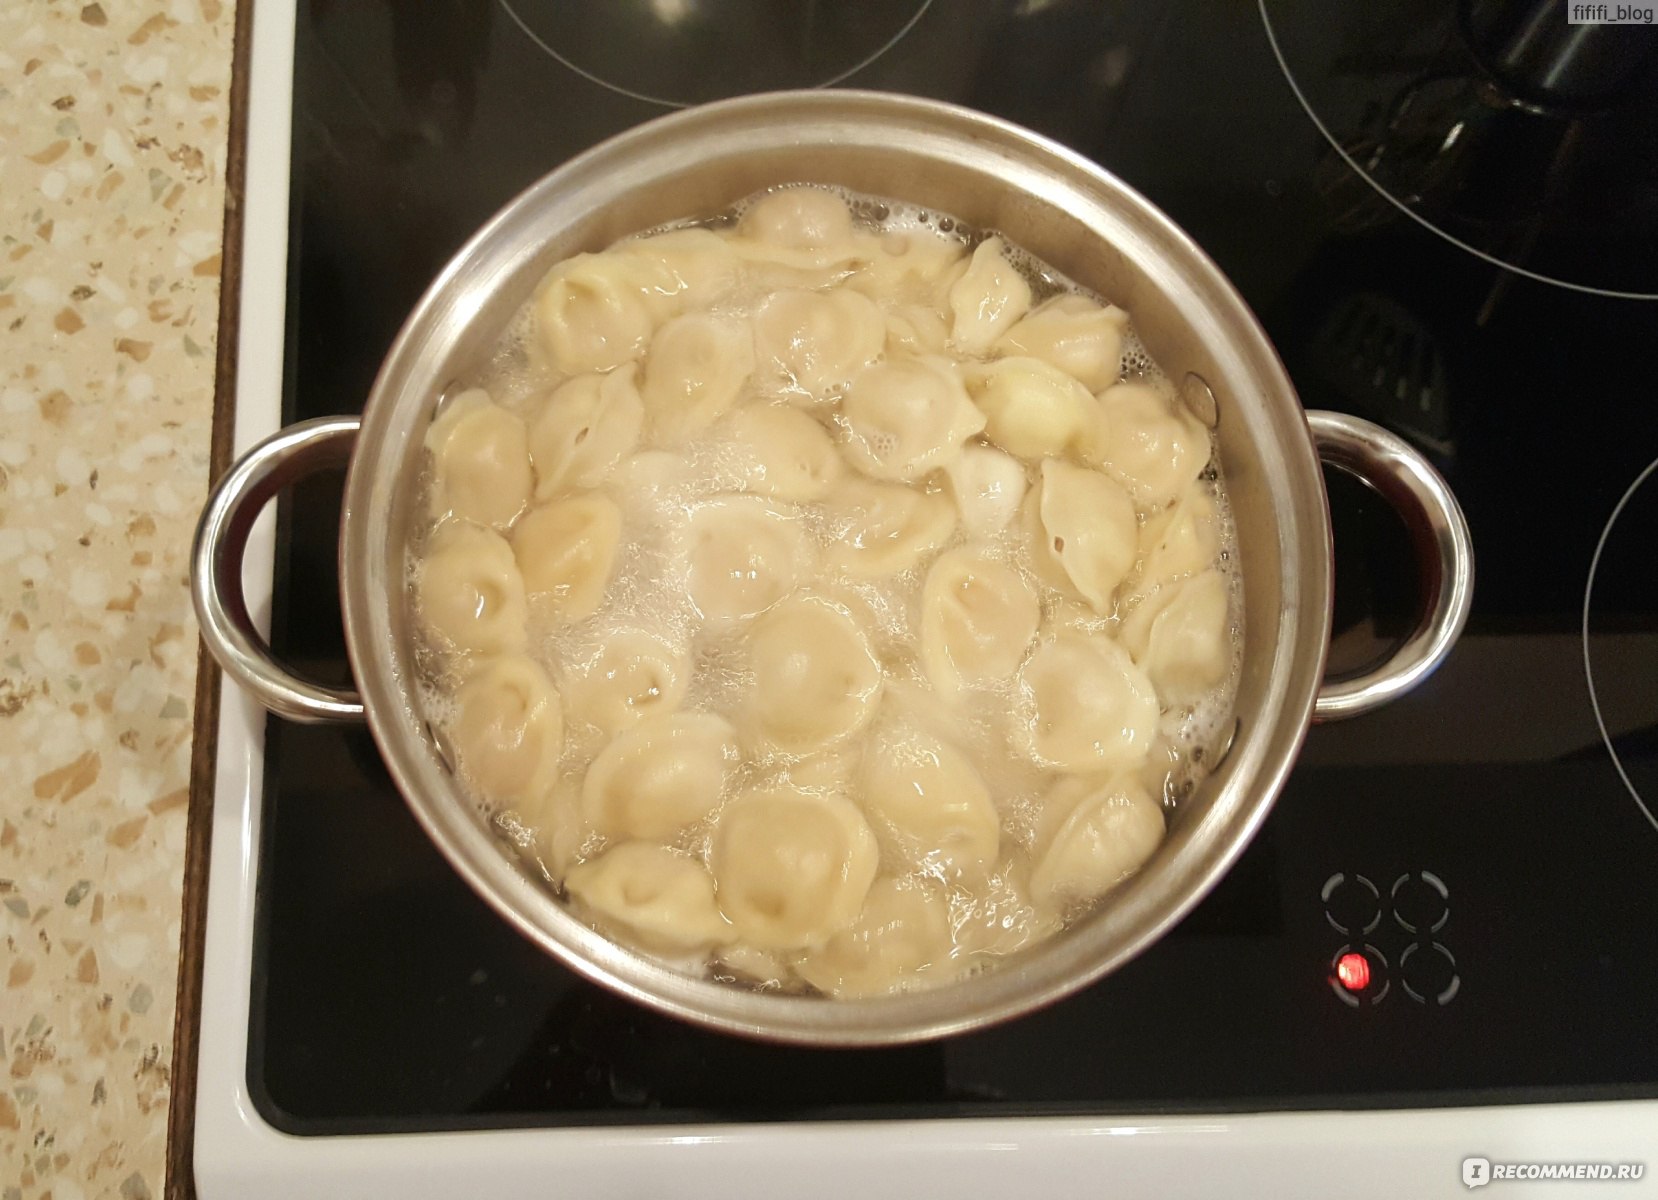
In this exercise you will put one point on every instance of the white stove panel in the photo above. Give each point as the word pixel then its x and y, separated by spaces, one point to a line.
pixel 238 1156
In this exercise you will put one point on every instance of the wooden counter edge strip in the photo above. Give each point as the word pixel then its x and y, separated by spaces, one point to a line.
pixel 181 1112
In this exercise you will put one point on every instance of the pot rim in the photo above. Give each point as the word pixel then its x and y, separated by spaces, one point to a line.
pixel 1258 762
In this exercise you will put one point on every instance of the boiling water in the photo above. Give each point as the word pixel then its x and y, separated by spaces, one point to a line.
pixel 657 489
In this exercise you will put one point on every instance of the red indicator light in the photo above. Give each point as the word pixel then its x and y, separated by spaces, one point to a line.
pixel 1353 970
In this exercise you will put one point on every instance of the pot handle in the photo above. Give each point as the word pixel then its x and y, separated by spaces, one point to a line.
pixel 216 568
pixel 1445 552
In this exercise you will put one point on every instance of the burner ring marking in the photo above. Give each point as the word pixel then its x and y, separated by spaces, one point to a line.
pixel 1588 666
pixel 1307 107
pixel 646 98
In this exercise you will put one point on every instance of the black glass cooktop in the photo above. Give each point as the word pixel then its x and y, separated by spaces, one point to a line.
pixel 1475 841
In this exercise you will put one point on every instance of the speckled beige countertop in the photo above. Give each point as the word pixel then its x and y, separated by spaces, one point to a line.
pixel 112 148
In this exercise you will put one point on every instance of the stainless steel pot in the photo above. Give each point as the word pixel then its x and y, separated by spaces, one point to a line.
pixel 994 176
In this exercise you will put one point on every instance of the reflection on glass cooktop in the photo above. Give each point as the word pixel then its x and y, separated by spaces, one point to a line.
pixel 1474 842
pixel 1493 122
pixel 662 51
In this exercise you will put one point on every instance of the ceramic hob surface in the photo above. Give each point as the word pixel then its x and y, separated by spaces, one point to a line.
pixel 1481 844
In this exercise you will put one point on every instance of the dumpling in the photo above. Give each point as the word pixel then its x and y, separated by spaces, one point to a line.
pixel 1032 409
pixel 798 218
pixel 585 427
pixel 780 451
pixel 507 730
pixel 1084 705
pixel 482 461
pixel 815 342
pixel 901 937
pixel 791 869
pixel 593 311
pixel 1094 833
pixel 470 591
pixel 988 486
pixel 665 900
pixel 911 267
pixel 989 297
pixel 802 235
pixel 880 529
pixel 651 479
pixel 933 799
pixel 1073 333
pixel 1082 530
pixel 635 675
pixel 1178 542
pixel 566 551
pixel 977 617
pixel 906 417
pixel 665 773
pixel 1149 443
pixel 1181 637
pixel 550 828
pixel 826 773
pixel 815 680
pixel 696 369
pixel 768 267
pixel 686 268
pixel 917 329
pixel 761 969
pixel 741 556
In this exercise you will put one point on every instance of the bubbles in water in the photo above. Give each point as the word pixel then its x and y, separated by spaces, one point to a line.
pixel 1137 360
pixel 664 484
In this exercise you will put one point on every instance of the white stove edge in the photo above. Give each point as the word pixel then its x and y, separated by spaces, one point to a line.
pixel 238 1156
